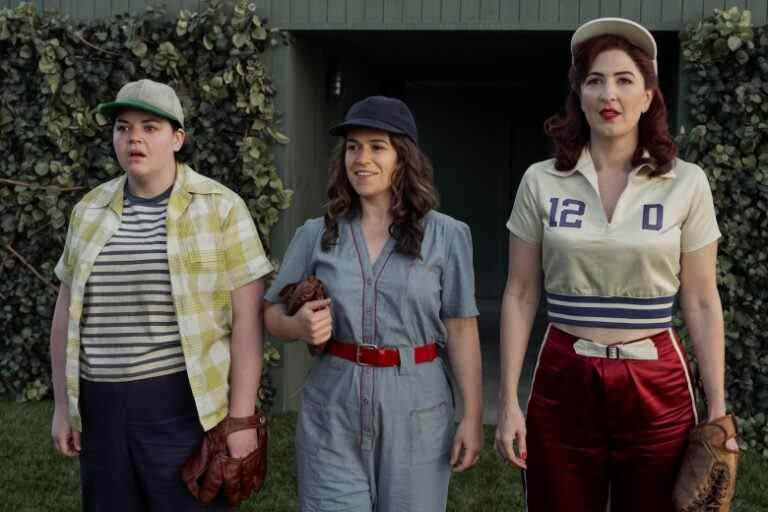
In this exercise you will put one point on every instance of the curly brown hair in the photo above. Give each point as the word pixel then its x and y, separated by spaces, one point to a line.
pixel 413 192
pixel 570 132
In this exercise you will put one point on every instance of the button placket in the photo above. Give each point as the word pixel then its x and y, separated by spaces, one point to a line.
pixel 366 373
pixel 369 273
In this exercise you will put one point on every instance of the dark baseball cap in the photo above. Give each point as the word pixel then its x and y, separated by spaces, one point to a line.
pixel 381 113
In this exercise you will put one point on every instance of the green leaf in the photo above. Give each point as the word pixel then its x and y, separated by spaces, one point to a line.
pixel 139 49
pixel 279 137
pixel 5 33
pixel 41 168
pixel 259 33
pixel 240 39
pixel 182 25
pixel 69 87
pixel 46 66
pixel 207 42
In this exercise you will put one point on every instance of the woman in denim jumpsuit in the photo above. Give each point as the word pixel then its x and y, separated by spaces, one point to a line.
pixel 376 427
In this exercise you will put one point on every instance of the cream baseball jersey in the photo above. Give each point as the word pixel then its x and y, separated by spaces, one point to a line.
pixel 623 273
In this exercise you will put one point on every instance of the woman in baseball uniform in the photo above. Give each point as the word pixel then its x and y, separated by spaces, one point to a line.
pixel 619 227
pixel 376 425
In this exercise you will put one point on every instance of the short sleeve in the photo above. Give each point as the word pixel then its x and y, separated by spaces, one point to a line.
pixel 524 221
pixel 244 254
pixel 458 286
pixel 64 269
pixel 700 226
pixel 295 265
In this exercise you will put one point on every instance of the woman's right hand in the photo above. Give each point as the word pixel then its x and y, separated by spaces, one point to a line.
pixel 314 322
pixel 66 440
pixel 510 430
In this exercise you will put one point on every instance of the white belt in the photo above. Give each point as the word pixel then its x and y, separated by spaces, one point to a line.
pixel 642 349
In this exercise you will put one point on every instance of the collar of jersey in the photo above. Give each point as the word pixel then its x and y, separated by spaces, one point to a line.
pixel 586 167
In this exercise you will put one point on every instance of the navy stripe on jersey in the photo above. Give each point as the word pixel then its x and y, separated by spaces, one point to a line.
pixel 611 300
pixel 611 312
pixel 129 329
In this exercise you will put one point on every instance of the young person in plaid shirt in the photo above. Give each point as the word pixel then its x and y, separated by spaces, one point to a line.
pixel 157 331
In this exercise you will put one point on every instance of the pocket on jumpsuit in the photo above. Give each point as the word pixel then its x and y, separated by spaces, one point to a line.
pixel 432 432
pixel 324 442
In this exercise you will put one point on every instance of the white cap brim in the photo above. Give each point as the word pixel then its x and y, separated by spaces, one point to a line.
pixel 633 32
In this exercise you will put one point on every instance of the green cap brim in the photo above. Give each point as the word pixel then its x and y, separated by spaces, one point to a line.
pixel 109 109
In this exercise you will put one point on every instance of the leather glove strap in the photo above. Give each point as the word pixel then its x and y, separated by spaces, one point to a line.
pixel 244 423
pixel 717 431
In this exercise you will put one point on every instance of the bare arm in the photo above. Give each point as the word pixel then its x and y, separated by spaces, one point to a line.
pixel 464 355
pixel 246 349
pixel 518 310
pixel 703 315
pixel 66 440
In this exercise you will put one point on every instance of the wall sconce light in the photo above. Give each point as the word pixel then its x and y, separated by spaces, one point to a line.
pixel 335 81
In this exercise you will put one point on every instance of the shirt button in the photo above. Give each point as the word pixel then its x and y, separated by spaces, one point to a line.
pixel 369 281
pixel 365 401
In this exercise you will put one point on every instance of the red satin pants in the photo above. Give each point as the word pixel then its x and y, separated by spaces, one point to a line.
pixel 595 424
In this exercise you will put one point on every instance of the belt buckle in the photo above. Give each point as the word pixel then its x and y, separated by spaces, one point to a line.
pixel 357 352
pixel 612 352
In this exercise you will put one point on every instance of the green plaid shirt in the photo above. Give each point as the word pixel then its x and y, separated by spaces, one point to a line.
pixel 213 248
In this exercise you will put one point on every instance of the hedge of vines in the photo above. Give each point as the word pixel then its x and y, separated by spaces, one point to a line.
pixel 726 67
pixel 54 70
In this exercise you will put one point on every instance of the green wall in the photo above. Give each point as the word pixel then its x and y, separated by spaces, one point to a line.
pixel 489 14
pixel 439 14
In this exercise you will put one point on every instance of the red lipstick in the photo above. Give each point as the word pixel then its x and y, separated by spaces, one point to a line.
pixel 609 114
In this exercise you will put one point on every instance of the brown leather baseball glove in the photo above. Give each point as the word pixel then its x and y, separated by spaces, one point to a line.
pixel 211 468
pixel 707 478
pixel 295 295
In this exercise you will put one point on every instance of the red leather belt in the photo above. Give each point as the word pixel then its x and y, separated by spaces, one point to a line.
pixel 371 355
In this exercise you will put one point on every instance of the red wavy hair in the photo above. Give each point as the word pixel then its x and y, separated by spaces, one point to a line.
pixel 570 131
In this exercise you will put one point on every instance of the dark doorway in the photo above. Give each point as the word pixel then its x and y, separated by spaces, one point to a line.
pixel 482 136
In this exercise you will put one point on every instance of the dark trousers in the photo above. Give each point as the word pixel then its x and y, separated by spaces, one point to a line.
pixel 136 437
pixel 595 424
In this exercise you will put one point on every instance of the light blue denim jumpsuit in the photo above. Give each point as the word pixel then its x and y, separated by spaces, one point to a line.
pixel 379 439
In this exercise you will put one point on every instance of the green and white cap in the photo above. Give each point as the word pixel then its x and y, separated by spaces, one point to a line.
pixel 148 96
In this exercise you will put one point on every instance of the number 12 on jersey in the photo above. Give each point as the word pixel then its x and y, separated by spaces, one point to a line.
pixel 570 214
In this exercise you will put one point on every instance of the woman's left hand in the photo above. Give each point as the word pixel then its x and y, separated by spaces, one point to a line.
pixel 241 443
pixel 467 444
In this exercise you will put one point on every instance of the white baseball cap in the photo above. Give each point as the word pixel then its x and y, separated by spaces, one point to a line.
pixel 633 32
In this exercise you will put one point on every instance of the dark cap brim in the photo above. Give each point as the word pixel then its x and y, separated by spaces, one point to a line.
pixel 109 109
pixel 341 129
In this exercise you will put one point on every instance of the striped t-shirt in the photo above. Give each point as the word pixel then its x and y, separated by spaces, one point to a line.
pixel 129 328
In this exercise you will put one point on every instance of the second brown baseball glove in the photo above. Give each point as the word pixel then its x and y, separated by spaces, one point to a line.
pixel 210 470
pixel 707 478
